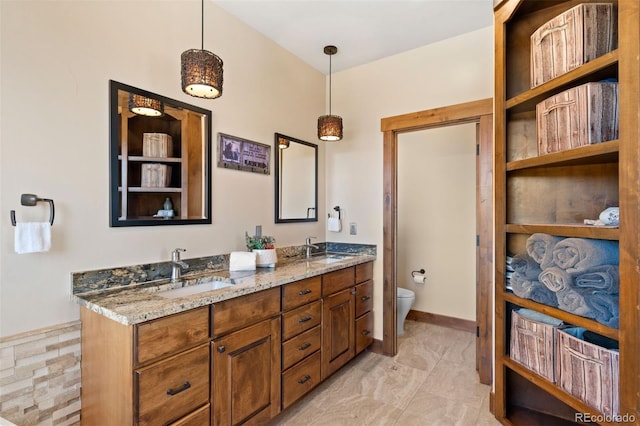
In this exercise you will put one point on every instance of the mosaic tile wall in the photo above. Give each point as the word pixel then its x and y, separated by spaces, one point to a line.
pixel 40 376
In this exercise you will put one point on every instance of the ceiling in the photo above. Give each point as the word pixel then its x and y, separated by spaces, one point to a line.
pixel 362 30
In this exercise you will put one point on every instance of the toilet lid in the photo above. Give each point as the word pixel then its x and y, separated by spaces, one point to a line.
pixel 405 293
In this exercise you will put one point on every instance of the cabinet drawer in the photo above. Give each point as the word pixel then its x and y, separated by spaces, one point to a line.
pixel 364 297
pixel 335 281
pixel 300 346
pixel 364 332
pixel 171 388
pixel 301 292
pixel 200 417
pixel 241 311
pixel 171 334
pixel 364 272
pixel 300 379
pixel 301 319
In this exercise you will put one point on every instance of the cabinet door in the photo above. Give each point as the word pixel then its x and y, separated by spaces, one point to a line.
pixel 338 342
pixel 246 375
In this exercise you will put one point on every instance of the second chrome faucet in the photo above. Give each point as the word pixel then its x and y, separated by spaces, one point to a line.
pixel 309 246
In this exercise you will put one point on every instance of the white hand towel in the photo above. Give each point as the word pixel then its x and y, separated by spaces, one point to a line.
pixel 32 237
pixel 334 224
pixel 242 261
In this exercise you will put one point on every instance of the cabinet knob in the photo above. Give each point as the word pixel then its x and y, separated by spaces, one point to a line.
pixel 366 332
pixel 304 346
pixel 305 379
pixel 305 319
pixel 221 348
pixel 365 298
pixel 354 291
pixel 184 387
pixel 305 291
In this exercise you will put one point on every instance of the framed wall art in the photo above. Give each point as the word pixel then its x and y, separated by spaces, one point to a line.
pixel 242 154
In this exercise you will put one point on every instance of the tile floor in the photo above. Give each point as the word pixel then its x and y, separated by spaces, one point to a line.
pixel 431 381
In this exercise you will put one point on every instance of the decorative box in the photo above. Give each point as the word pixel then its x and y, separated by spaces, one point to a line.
pixel 533 345
pixel 157 145
pixel 582 115
pixel 587 371
pixel 571 39
pixel 155 175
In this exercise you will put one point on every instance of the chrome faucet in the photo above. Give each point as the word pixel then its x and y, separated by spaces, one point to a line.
pixel 309 246
pixel 177 265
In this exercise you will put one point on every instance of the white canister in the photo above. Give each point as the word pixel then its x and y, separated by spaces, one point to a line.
pixel 266 258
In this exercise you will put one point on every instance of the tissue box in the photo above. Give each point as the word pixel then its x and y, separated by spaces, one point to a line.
pixel 533 345
pixel 572 39
pixel 155 175
pixel 589 372
pixel 582 115
pixel 157 145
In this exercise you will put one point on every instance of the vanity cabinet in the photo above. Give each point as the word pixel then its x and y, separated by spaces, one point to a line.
pixel 346 307
pixel 147 374
pixel 246 358
pixel 301 338
pixel 242 360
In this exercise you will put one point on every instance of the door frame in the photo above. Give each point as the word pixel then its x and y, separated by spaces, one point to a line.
pixel 481 113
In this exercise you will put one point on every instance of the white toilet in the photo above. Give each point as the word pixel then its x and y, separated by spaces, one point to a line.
pixel 405 300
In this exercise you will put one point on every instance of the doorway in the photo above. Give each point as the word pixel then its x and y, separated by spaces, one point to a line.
pixel 481 113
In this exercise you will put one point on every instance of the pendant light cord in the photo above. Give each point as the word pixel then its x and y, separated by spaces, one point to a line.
pixel 202 32
pixel 330 84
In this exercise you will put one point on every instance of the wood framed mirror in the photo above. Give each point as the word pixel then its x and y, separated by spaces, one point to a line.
pixel 296 180
pixel 160 159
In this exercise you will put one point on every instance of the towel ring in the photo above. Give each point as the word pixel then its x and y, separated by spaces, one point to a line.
pixel 32 200
pixel 337 208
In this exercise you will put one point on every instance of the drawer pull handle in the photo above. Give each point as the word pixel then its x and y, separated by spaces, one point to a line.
pixel 366 332
pixel 365 298
pixel 305 291
pixel 184 387
pixel 221 349
pixel 304 346
pixel 305 319
pixel 305 379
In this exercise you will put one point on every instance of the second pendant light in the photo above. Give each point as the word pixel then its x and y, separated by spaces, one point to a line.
pixel 330 126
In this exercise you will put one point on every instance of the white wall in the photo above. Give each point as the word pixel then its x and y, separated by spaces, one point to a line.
pixel 453 71
pixel 57 58
pixel 437 218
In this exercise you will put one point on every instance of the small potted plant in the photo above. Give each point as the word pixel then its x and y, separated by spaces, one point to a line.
pixel 264 248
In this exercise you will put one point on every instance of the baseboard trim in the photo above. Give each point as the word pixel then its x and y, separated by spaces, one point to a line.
pixel 442 320
pixel 376 347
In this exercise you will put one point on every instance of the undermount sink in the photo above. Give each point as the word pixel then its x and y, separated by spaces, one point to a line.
pixel 194 289
pixel 330 258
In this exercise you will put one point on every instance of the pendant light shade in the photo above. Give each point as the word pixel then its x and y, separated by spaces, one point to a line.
pixel 283 143
pixel 201 71
pixel 330 126
pixel 142 105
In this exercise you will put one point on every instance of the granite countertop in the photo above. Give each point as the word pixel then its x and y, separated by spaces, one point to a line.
pixel 138 303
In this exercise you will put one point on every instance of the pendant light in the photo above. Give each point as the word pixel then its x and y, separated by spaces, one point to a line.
pixel 142 105
pixel 330 126
pixel 283 143
pixel 201 71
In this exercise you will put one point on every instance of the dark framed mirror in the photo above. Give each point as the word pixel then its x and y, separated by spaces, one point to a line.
pixel 296 180
pixel 160 159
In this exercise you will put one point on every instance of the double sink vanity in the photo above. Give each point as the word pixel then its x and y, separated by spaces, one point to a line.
pixel 222 348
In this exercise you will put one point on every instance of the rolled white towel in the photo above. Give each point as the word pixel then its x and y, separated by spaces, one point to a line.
pixel 242 261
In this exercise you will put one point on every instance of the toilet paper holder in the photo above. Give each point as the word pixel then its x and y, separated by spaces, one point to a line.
pixel 413 273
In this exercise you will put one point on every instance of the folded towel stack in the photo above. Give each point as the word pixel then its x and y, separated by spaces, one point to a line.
pixel 242 261
pixel 578 275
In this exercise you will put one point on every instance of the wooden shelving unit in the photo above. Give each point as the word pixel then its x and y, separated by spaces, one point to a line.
pixel 185 129
pixel 553 193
